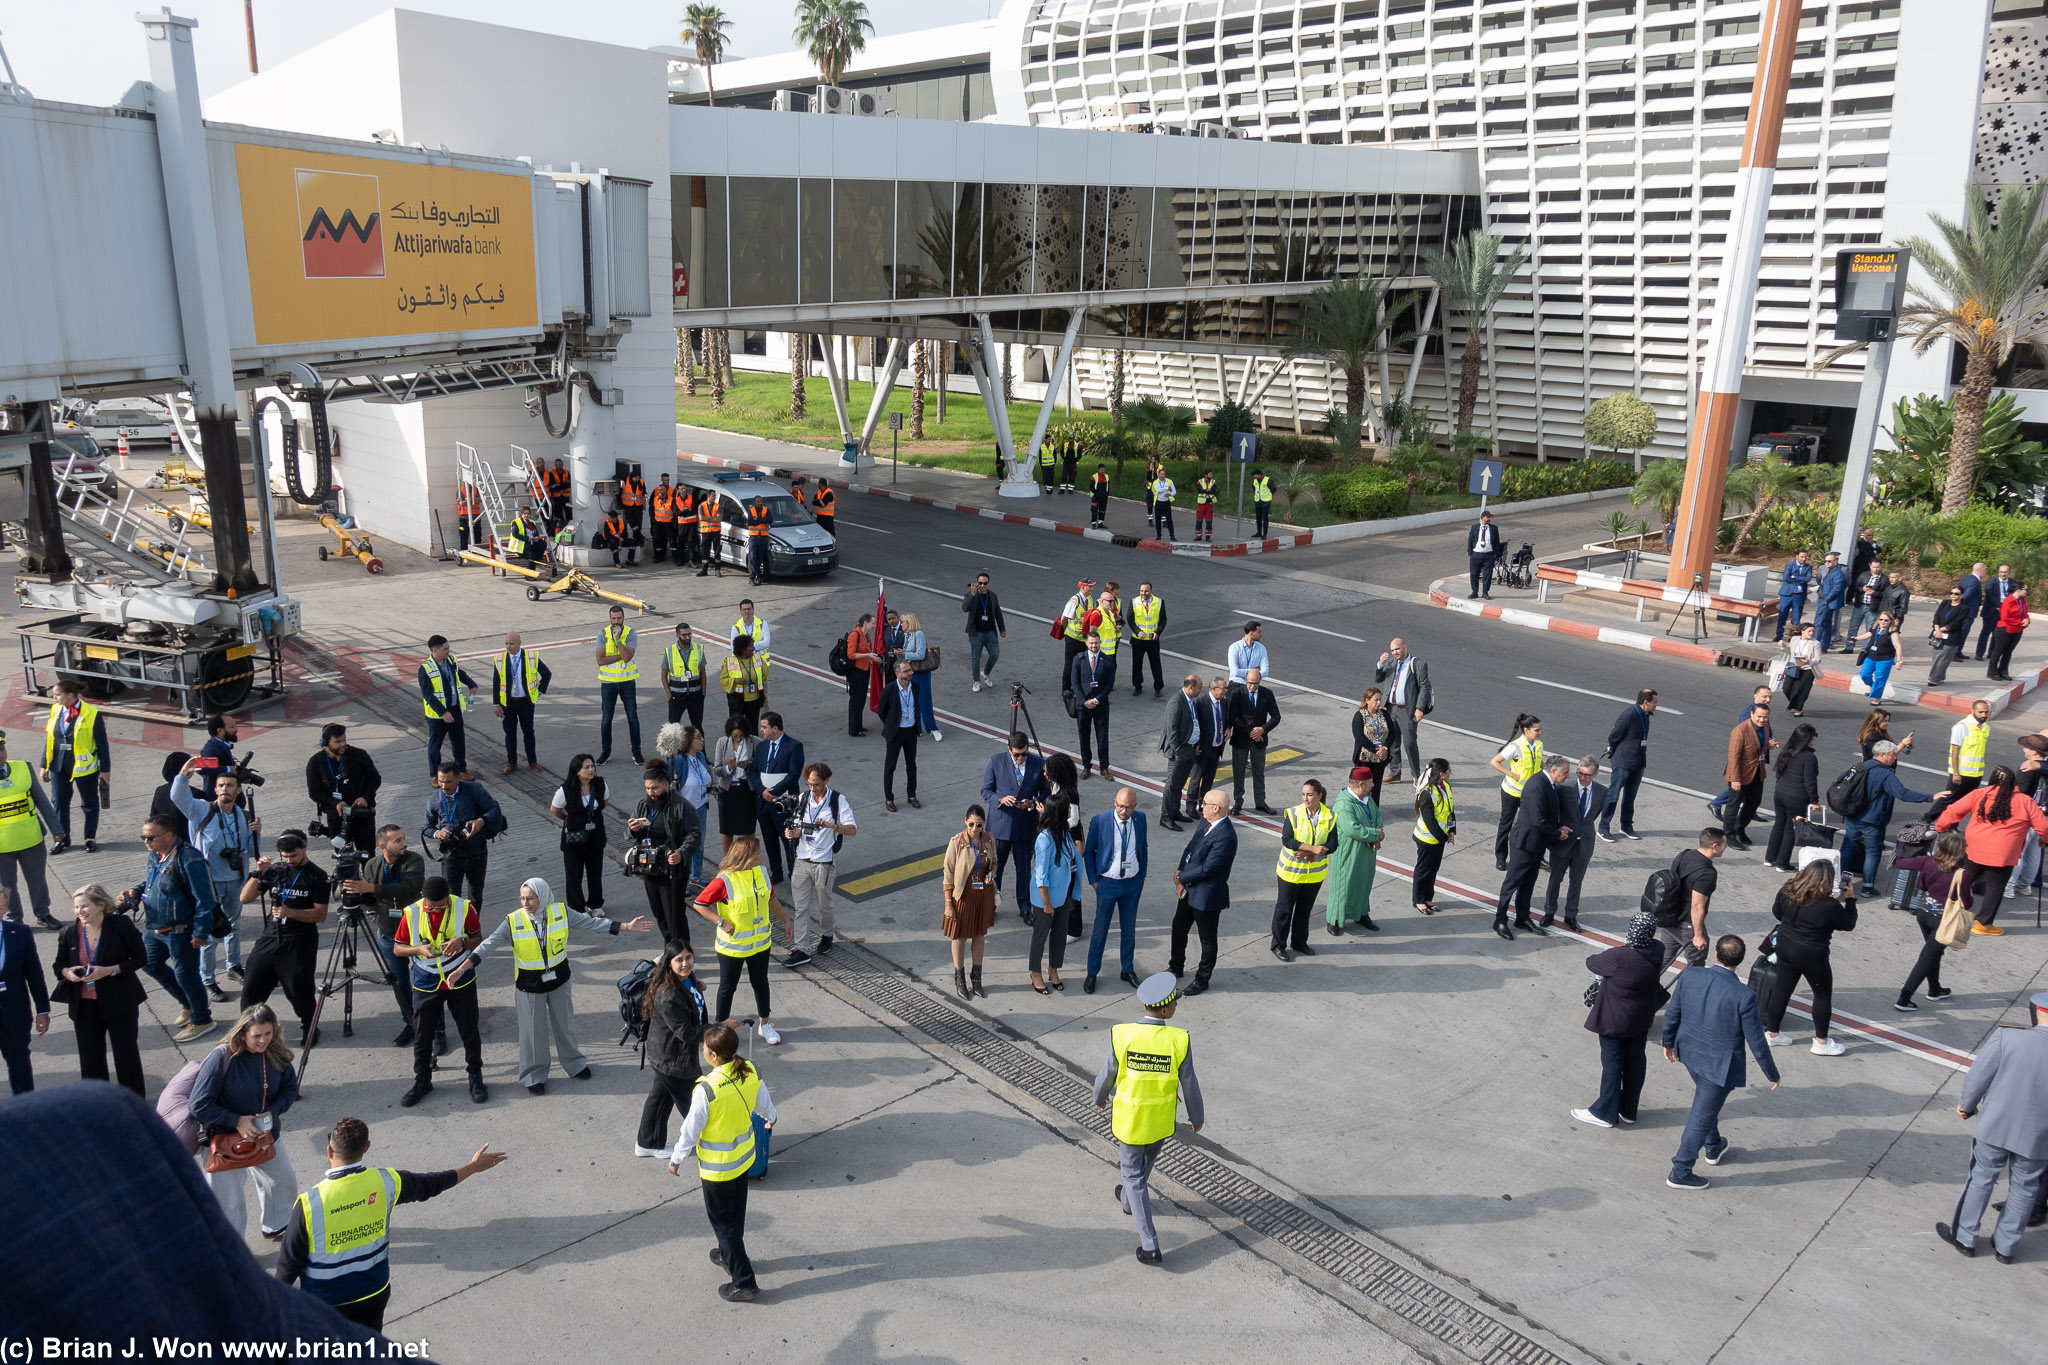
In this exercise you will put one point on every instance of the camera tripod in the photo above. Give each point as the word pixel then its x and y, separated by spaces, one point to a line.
pixel 1695 601
pixel 1018 691
pixel 341 973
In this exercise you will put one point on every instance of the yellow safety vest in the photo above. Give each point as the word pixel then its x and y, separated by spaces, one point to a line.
pixel 461 702
pixel 1440 797
pixel 625 671
pixel 531 668
pixel 1145 617
pixel 1976 741
pixel 1077 607
pixel 442 964
pixel 1148 1058
pixel 1523 764
pixel 1319 829
pixel 1108 633
pixel 725 1149
pixel 757 633
pixel 1163 489
pixel 515 540
pixel 1262 488
pixel 683 669
pixel 529 952
pixel 749 680
pixel 20 827
pixel 743 924
pixel 85 759
pixel 348 1231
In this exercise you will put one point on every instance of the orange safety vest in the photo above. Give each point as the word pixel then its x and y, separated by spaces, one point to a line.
pixel 615 526
pixel 664 503
pixel 465 504
pixel 634 492
pixel 822 500
pixel 757 521
pixel 686 504
pixel 558 482
pixel 707 515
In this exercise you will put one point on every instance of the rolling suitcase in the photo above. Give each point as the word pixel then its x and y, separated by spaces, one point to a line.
pixel 1902 891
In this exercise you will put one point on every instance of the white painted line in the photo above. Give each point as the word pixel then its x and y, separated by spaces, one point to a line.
pixel 1587 692
pixel 986 555
pixel 1610 635
pixel 865 527
pixel 1252 615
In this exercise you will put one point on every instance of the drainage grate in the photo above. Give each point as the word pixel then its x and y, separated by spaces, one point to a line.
pixel 1426 1305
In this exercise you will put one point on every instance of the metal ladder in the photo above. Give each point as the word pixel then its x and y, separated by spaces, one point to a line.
pixel 131 538
pixel 534 474
pixel 501 496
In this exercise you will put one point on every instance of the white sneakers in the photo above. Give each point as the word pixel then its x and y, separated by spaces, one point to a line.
pixel 938 738
pixel 977 687
pixel 769 1035
pixel 638 1150
pixel 1588 1116
pixel 1827 1047
pixel 1777 1040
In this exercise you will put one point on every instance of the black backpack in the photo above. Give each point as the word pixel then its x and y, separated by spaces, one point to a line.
pixel 1849 795
pixel 1664 896
pixel 837 660
pixel 633 1001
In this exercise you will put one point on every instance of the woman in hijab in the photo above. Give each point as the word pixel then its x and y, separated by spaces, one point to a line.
pixel 539 931
pixel 1625 997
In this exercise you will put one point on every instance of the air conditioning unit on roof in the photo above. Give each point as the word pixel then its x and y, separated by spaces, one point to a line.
pixel 832 99
pixel 785 101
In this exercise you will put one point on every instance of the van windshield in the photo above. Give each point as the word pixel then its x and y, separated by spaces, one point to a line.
pixel 783 510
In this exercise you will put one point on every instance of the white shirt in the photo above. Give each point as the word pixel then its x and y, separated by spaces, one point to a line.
pixel 1398 694
pixel 515 673
pixel 771 757
pixel 816 846
pixel 1245 657
pixel 1485 541
pixel 1125 865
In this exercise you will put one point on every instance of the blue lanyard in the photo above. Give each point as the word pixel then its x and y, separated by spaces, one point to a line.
pixel 334 770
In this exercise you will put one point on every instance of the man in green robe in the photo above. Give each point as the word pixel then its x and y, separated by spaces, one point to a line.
pixel 1352 865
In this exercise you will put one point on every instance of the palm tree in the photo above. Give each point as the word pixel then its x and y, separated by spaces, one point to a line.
pixel 1763 484
pixel 799 371
pixel 1294 484
pixel 1473 277
pixel 1413 459
pixel 1661 482
pixel 830 32
pixel 1343 323
pixel 1984 293
pixel 706 28
pixel 1910 531
pixel 920 356
pixel 1148 418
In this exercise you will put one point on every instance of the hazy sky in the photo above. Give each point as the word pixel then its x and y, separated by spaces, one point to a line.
pixel 90 51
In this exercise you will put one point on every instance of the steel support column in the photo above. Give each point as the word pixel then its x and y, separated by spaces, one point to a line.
pixel 1052 386
pixel 892 367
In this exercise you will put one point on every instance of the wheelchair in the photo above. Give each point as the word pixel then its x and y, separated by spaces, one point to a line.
pixel 1518 570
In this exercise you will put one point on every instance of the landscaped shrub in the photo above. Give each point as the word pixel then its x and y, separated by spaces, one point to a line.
pixel 1285 448
pixel 1523 482
pixel 1983 532
pixel 1362 494
pixel 1226 421
pixel 1791 527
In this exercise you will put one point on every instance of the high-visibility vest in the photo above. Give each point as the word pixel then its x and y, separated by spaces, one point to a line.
pixel 686 668
pixel 1523 763
pixel 451 930
pixel 531 952
pixel 1148 1061
pixel 348 1234
pixel 633 492
pixel 743 923
pixel 664 503
pixel 85 759
pixel 1108 632
pixel 530 666
pixel 1145 614
pixel 757 632
pixel 1445 811
pixel 686 505
pixel 465 504
pixel 1262 488
pixel 1163 489
pixel 725 1149
pixel 1976 740
pixel 707 515
pixel 515 539
pixel 626 670
pixel 558 483
pixel 615 527
pixel 822 501
pixel 757 520
pixel 1205 488
pixel 460 704
pixel 1295 866
pixel 1077 607
pixel 1045 457
pixel 19 826
pixel 1099 483
pixel 750 679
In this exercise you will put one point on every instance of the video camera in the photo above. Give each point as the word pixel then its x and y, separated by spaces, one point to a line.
pixel 349 862
pixel 645 859
pixel 239 769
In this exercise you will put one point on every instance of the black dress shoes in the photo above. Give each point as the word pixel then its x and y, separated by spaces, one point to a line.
pixel 1282 953
pixel 1152 1257
pixel 1367 925
pixel 1947 1234
pixel 420 1090
pixel 1500 926
pixel 1129 979
pixel 1529 926
pixel 1197 986
pixel 1088 985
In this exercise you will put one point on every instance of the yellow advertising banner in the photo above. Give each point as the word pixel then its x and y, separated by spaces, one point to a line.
pixel 342 248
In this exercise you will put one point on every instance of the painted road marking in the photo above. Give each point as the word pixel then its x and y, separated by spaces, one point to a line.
pixel 883 878
pixel 1280 621
pixel 986 555
pixel 1274 758
pixel 842 521
pixel 1662 709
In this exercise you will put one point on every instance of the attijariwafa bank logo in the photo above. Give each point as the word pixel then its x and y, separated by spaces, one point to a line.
pixel 342 230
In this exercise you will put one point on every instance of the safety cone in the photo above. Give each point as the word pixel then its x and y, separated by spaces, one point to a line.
pixel 121 448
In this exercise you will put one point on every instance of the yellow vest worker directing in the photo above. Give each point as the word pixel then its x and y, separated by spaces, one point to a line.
pixel 720 1129
pixel 1150 1072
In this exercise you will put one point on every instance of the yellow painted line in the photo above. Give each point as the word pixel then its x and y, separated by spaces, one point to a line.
pixel 1274 758
pixel 871 883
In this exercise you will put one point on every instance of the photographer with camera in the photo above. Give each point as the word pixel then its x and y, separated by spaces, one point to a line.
pixel 343 783
pixel 217 755
pixel 296 891
pixel 226 837
pixel 462 819
pixel 668 834
pixel 392 879
pixel 824 821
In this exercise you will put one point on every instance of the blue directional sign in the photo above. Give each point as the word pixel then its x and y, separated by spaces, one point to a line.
pixel 1486 477
pixel 1244 447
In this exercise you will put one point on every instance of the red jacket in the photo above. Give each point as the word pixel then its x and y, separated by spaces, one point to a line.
pixel 2012 614
pixel 1999 844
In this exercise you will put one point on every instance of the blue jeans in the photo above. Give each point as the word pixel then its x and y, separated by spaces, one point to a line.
pixel 1702 1126
pixel 229 894
pixel 1622 786
pixel 1824 625
pixel 1623 1064
pixel 1874 674
pixel 1120 895
pixel 440 732
pixel 1859 617
pixel 980 640
pixel 174 962
pixel 1866 841
pixel 610 695
pixel 921 690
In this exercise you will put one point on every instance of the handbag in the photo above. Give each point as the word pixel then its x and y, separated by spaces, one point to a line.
pixel 1954 929
pixel 230 1151
pixel 1592 992
pixel 929 663
pixel 1059 626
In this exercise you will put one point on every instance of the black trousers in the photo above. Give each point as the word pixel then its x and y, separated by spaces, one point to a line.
pixel 98 1027
pixel 1482 572
pixel 904 742
pixel 1094 724
pixel 1785 809
pixel 1958 788
pixel 1296 903
pixel 1254 758
pixel 755 965
pixel 1567 868
pixel 467 871
pixel 856 702
pixel 1428 858
pixel 1518 884
pixel 725 1205
pixel 1741 808
pixel 1263 511
pixel 1927 967
pixel 426 1018
pixel 749 712
pixel 1204 924
pixel 518 722
pixel 664 897
pixel 1172 804
pixel 666 1095
pixel 358 824
pixel 2002 643
pixel 1017 852
pixel 1798 688
pixel 1098 508
pixel 368 1312
pixel 1141 650
pixel 1792 965
pixel 1162 522
pixel 691 704
pixel 276 963
pixel 583 875
pixel 684 549
pixel 663 532
pixel 1987 889
pixel 1508 806
pixel 775 855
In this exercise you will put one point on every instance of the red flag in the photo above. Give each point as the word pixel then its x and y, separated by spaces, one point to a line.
pixel 875 673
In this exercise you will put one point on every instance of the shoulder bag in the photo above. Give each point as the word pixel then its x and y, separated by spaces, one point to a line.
pixel 1954 929
pixel 929 663
pixel 230 1151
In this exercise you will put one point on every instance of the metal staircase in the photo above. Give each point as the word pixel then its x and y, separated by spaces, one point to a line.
pixel 502 496
pixel 116 534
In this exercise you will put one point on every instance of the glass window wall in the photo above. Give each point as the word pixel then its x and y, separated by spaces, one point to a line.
pixel 764 256
pixel 814 235
pixel 925 241
pixel 863 239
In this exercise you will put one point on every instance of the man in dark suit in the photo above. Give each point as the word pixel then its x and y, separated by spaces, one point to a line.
pixel 1092 679
pixel 1202 885
pixel 1972 586
pixel 1583 802
pixel 21 979
pixel 1116 867
pixel 2007 1090
pixel 1482 549
pixel 1180 740
pixel 1628 754
pixel 899 732
pixel 1011 787
pixel 1711 1015
pixel 1995 593
pixel 1540 828
pixel 1214 713
pixel 776 769
pixel 1253 714
pixel 1408 699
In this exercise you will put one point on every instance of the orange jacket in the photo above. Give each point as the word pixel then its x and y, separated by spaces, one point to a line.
pixel 633 492
pixel 1994 845
pixel 822 501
